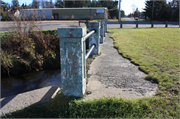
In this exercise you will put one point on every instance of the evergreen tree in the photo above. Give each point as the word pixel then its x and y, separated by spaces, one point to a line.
pixel 23 6
pixel 43 3
pixel 110 4
pixel 80 3
pixel 175 10
pixel 35 4
pixel 59 4
pixel 69 4
pixel 47 5
pixel 93 3
pixel 136 13
pixel 15 3
pixel 3 8
pixel 112 7
pixel 51 5
pixel 15 6
pixel 161 11
pixel 87 3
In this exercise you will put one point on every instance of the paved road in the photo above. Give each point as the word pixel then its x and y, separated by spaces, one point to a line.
pixel 113 75
pixel 6 27
pixel 128 19
pixel 55 25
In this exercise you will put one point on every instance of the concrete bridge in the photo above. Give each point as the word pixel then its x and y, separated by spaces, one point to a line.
pixel 111 74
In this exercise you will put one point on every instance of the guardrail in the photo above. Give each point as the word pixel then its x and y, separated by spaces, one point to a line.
pixel 152 23
pixel 92 47
pixel 73 54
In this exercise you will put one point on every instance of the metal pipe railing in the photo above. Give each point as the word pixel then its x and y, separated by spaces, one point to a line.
pixel 89 52
pixel 89 34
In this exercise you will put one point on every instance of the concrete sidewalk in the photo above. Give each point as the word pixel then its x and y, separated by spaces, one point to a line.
pixel 22 100
pixel 113 75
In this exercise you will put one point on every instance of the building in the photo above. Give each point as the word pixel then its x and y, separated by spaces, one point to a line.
pixel 67 13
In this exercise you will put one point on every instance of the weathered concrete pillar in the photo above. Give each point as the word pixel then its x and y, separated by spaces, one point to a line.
pixel 94 38
pixel 102 32
pixel 72 54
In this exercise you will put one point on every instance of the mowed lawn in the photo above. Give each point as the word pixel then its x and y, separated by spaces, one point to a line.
pixel 156 51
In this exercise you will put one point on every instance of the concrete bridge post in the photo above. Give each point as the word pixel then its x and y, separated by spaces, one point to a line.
pixel 105 27
pixel 102 32
pixel 73 64
pixel 94 38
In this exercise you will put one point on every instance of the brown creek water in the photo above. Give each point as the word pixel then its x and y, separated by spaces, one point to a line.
pixel 29 81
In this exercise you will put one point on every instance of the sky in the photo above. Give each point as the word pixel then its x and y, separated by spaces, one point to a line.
pixel 127 5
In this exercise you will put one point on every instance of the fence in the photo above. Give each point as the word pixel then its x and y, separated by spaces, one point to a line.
pixel 143 22
pixel 73 54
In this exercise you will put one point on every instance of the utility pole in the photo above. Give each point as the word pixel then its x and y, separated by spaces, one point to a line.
pixel 63 3
pixel 90 8
pixel 179 12
pixel 152 10
pixel 119 10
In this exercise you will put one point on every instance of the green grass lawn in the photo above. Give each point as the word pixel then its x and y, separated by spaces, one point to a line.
pixel 138 19
pixel 115 19
pixel 156 51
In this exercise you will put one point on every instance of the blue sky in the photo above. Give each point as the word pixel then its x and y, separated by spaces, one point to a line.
pixel 127 5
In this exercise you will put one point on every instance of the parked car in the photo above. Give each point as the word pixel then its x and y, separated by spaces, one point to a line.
pixel 136 18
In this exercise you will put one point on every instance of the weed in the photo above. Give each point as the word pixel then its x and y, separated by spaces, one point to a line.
pixel 25 49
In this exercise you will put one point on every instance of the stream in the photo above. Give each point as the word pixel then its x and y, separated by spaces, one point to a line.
pixel 29 81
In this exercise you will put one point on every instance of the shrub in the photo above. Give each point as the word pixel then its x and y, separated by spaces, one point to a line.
pixel 25 49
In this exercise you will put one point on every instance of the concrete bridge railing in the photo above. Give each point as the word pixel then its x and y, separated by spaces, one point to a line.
pixel 73 54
